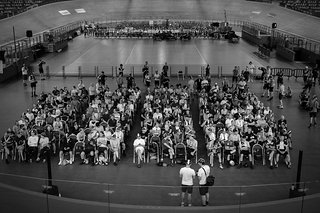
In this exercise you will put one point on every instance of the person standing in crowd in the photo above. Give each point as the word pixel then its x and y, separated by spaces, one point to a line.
pixel 202 174
pixel 120 80
pixel 236 73
pixel 40 65
pixel 315 75
pixel 33 84
pixel 147 79
pixel 187 174
pixel 102 79
pixel 305 74
pixel 130 81
pixel 156 77
pixel 314 107
pixel 145 70
pixel 121 70
pixel 165 80
pixel 281 94
pixel 191 86
pixel 251 71
pixel 271 85
pixel 279 79
pixel 24 71
pixel 207 71
pixel 165 69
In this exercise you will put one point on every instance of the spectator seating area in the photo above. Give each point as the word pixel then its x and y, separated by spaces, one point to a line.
pixel 167 125
pixel 239 129
pixel 311 7
pixel 91 122
pixel 13 7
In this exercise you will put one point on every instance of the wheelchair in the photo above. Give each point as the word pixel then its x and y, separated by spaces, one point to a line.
pixel 153 148
pixel 180 153
pixel 258 153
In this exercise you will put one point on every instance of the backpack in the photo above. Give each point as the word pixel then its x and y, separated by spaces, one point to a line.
pixel 210 179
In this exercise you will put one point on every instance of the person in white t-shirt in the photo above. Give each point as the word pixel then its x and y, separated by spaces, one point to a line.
pixel 202 174
pixel 139 145
pixel 187 174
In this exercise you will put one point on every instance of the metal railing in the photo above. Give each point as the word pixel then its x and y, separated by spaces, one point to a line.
pixel 22 48
pixel 152 195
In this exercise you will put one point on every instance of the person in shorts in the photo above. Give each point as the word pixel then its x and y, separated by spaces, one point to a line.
pixel 271 86
pixel 281 94
pixel 314 107
pixel 187 174
pixel 202 174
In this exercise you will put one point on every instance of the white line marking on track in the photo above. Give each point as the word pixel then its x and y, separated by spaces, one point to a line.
pixel 64 12
pixel 203 59
pixel 80 10
pixel 174 194
pixel 130 53
pixel 240 193
pixel 303 190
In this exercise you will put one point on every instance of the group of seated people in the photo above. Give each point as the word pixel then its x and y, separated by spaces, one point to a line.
pixel 166 125
pixel 71 122
pixel 94 122
pixel 238 126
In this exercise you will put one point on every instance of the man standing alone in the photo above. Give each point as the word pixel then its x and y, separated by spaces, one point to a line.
pixel 187 174
pixel 24 71
pixel 202 174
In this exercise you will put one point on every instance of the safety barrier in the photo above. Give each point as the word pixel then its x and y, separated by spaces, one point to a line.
pixel 216 71
pixel 288 72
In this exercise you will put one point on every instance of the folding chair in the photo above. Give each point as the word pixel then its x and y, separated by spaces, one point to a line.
pixel 180 74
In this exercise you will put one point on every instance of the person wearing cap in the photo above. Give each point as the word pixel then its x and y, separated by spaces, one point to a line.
pixel 314 107
pixel 139 145
pixel 187 174
pixel 202 174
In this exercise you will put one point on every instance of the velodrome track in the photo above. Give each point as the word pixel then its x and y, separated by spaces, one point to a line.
pixel 47 17
pixel 14 95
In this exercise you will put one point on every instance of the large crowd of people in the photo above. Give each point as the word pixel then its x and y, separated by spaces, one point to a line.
pixel 93 122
